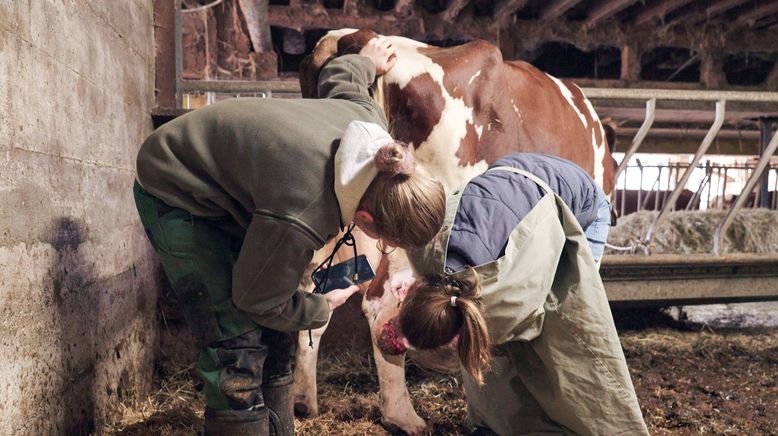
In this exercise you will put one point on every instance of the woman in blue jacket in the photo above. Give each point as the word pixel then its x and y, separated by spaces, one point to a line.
pixel 512 278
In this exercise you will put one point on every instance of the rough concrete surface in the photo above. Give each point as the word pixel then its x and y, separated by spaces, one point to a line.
pixel 78 283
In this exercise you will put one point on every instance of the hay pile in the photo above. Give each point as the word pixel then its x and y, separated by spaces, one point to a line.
pixel 751 231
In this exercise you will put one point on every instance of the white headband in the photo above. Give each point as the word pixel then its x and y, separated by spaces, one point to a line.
pixel 453 301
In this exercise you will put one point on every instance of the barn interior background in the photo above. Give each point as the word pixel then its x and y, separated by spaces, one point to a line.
pixel 86 349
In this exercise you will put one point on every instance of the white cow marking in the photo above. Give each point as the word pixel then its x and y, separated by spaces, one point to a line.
pixel 333 34
pixel 478 73
pixel 569 97
pixel 439 151
pixel 599 148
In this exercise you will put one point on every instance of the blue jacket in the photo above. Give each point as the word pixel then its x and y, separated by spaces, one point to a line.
pixel 494 203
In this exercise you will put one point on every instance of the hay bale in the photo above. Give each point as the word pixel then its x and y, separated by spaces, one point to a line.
pixel 682 232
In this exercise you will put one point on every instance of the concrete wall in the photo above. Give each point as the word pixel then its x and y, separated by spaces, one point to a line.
pixel 77 282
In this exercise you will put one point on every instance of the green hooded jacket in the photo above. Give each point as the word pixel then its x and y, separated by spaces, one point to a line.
pixel 268 164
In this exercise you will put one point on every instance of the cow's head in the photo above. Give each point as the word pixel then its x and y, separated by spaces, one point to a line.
pixel 334 43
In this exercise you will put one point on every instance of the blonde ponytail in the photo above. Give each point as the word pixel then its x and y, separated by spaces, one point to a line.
pixel 438 309
pixel 407 203
pixel 395 159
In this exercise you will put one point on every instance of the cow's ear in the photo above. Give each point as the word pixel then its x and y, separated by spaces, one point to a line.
pixel 309 78
pixel 353 42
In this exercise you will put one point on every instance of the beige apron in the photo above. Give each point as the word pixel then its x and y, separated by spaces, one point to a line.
pixel 558 366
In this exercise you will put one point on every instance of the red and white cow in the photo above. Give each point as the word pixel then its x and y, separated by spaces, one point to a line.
pixel 460 108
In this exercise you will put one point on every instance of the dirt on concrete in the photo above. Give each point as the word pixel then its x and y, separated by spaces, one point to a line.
pixel 691 377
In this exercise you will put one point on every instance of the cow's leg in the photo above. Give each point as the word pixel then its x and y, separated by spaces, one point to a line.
pixel 395 401
pixel 305 403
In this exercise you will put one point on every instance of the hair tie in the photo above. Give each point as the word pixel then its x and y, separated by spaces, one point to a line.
pixel 453 301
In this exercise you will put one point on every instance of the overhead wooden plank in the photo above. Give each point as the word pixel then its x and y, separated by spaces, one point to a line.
pixel 556 8
pixel 255 12
pixel 165 40
pixel 659 11
pixel 403 7
pixel 506 8
pixel 388 23
pixel 720 6
pixel 750 18
pixel 453 9
pixel 607 10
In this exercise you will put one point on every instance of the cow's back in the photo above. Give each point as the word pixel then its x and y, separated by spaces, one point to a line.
pixel 463 108
pixel 554 117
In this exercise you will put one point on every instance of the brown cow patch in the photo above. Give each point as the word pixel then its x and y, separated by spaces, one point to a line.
pixel 414 110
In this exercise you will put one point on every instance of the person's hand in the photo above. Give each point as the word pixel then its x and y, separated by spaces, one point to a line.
pixel 400 290
pixel 337 297
pixel 401 283
pixel 381 51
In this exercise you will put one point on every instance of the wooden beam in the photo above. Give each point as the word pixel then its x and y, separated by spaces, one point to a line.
pixel 403 7
pixel 255 12
pixel 453 9
pixel 630 63
pixel 351 7
pixel 556 8
pixel 720 6
pixel 711 69
pixel 388 23
pixel 751 17
pixel 771 82
pixel 588 39
pixel 659 11
pixel 607 10
pixel 165 41
pixel 506 8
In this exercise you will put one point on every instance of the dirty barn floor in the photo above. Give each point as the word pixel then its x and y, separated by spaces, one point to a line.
pixel 690 377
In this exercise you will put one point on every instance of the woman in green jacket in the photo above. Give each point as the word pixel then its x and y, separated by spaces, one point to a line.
pixel 236 197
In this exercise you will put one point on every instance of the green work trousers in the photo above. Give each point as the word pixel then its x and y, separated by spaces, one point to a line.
pixel 198 255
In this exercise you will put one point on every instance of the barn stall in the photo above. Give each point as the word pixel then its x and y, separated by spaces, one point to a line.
pixel 678 90
pixel 690 79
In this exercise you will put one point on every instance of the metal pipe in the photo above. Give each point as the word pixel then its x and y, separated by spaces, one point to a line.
pixel 766 128
pixel 639 137
pixel 654 188
pixel 640 187
pixel 240 86
pixel 658 188
pixel 680 94
pixel 603 93
pixel 764 161
pixel 714 130
pixel 710 185
pixel 775 188
pixel 623 193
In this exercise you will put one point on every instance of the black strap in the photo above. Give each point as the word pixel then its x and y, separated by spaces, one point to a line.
pixel 348 240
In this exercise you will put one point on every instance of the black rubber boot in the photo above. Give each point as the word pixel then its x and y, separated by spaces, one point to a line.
pixel 236 422
pixel 280 403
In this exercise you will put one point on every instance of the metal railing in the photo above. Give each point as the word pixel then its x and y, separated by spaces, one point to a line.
pixel 651 96
pixel 652 193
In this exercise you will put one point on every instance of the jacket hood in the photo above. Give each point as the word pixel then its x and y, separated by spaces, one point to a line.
pixel 354 165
